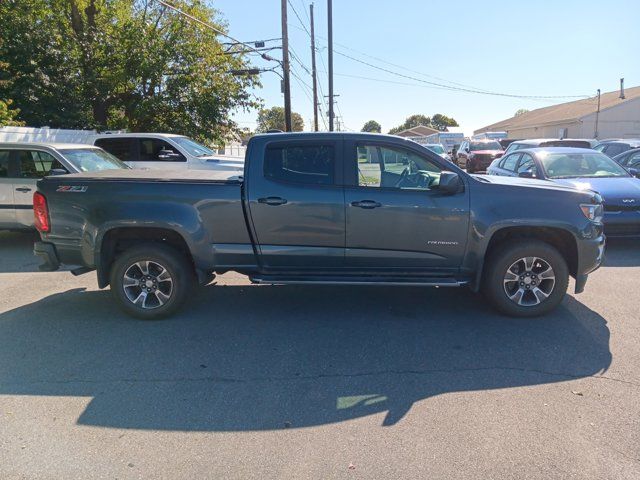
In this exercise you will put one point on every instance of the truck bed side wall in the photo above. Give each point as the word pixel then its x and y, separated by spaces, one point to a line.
pixel 208 216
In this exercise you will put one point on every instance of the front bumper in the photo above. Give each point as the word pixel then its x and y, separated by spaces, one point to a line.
pixel 622 223
pixel 590 256
pixel 47 252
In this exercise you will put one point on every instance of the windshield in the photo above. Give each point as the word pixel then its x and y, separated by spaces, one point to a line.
pixel 92 159
pixel 193 147
pixel 485 146
pixel 439 149
pixel 571 165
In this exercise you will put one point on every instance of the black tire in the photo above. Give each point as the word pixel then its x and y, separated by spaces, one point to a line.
pixel 163 296
pixel 505 263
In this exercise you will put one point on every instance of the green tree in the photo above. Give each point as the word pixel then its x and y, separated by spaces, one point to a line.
pixel 8 115
pixel 441 122
pixel 412 121
pixel 273 119
pixel 520 112
pixel 372 126
pixel 121 64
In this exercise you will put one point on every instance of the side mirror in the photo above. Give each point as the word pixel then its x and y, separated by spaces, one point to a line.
pixel 57 171
pixel 450 183
pixel 635 172
pixel 526 174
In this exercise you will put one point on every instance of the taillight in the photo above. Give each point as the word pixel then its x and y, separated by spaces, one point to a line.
pixel 41 213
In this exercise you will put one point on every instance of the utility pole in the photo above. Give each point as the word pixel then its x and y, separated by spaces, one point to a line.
pixel 595 133
pixel 313 72
pixel 285 68
pixel 330 42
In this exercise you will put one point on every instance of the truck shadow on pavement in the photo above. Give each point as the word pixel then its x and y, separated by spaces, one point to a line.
pixel 245 358
pixel 622 252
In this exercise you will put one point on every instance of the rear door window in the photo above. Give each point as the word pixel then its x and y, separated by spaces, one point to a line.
pixel 121 148
pixel 4 163
pixel 527 165
pixel 35 164
pixel 156 150
pixel 310 164
pixel 510 162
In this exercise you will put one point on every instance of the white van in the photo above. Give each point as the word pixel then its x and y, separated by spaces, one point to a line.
pixel 164 151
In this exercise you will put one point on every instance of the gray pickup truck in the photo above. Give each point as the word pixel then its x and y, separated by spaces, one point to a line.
pixel 322 208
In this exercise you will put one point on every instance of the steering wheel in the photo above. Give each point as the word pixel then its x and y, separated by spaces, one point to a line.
pixel 403 176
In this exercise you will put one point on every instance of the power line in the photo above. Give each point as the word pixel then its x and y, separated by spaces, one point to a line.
pixel 460 89
pixel 455 86
pixel 217 30
pixel 298 17
pixel 306 30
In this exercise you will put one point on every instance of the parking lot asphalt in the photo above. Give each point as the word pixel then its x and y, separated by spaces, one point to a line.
pixel 298 382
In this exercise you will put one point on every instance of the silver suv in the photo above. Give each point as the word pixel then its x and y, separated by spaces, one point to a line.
pixel 23 164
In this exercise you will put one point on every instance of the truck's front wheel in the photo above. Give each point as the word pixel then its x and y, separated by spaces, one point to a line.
pixel 525 279
pixel 151 281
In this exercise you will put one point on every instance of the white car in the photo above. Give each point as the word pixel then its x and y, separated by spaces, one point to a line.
pixel 23 164
pixel 164 151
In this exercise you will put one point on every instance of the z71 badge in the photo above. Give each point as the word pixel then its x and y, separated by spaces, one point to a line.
pixel 72 188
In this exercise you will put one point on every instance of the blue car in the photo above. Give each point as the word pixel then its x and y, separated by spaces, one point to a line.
pixel 584 169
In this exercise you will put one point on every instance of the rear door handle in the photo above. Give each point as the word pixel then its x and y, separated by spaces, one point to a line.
pixel 273 201
pixel 366 204
pixel 23 189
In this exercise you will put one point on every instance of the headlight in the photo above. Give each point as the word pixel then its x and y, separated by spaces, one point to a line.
pixel 592 212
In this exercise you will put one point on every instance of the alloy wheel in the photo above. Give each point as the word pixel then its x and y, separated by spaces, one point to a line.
pixel 529 281
pixel 147 284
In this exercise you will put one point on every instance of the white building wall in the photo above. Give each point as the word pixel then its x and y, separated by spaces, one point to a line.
pixel 621 121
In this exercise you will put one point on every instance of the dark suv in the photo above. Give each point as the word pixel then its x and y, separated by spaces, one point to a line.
pixel 611 148
pixel 477 155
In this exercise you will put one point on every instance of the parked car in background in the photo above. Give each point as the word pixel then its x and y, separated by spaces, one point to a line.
pixel 477 155
pixel 165 151
pixel 587 170
pixel 551 142
pixel 611 148
pixel 323 208
pixel 629 159
pixel 438 149
pixel 505 142
pixel 23 163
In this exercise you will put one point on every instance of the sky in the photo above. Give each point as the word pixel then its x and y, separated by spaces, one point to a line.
pixel 524 48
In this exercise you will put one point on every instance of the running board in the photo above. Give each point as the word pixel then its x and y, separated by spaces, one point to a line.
pixel 345 280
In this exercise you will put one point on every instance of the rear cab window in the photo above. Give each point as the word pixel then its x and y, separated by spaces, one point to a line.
pixel 121 148
pixel 313 164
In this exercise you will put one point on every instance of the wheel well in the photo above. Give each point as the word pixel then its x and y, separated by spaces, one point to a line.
pixel 118 240
pixel 559 238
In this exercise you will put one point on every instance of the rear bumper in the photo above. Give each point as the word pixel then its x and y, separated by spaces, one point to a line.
pixel 47 252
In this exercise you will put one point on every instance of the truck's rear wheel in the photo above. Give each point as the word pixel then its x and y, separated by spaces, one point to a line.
pixel 525 279
pixel 151 281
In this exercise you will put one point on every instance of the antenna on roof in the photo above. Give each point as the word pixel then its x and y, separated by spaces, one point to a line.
pixel 622 88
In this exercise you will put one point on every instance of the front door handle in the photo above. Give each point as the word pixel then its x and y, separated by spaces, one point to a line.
pixel 366 204
pixel 273 201
pixel 23 189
